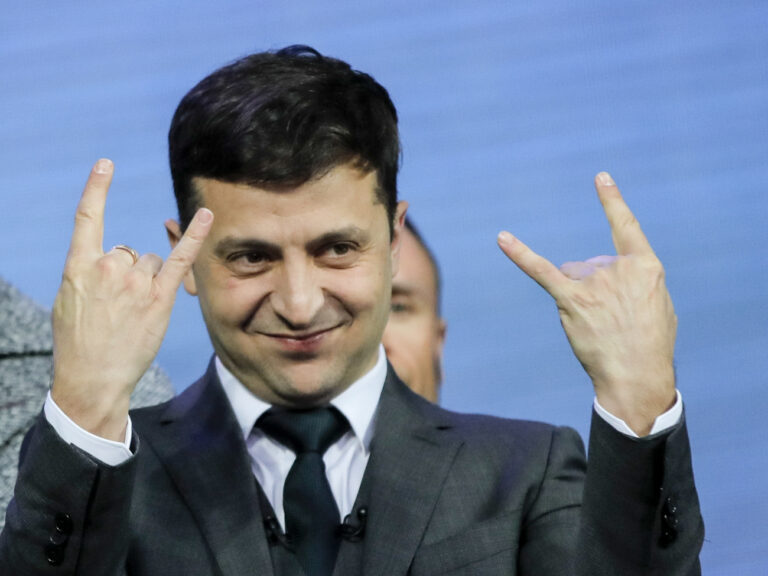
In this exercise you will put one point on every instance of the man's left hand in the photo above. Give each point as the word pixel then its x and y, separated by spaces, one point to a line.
pixel 617 314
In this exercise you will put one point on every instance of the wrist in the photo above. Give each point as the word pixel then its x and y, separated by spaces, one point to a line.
pixel 98 415
pixel 638 412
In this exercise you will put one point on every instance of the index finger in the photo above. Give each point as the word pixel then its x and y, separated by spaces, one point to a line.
pixel 88 233
pixel 628 237
pixel 184 253
pixel 538 268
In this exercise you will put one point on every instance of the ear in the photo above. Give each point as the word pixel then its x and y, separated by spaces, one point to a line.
pixel 440 328
pixel 397 235
pixel 439 344
pixel 173 229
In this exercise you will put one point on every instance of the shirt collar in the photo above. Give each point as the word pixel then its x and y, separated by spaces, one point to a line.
pixel 357 403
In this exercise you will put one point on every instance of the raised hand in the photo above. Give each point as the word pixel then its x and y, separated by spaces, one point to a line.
pixel 617 314
pixel 111 313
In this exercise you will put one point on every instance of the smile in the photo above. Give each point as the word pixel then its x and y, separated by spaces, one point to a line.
pixel 306 342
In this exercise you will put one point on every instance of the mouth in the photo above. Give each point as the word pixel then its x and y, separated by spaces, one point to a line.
pixel 301 342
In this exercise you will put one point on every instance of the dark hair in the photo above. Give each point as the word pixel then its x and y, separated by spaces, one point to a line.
pixel 432 261
pixel 279 119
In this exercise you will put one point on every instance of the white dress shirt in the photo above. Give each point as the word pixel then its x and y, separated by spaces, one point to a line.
pixel 345 461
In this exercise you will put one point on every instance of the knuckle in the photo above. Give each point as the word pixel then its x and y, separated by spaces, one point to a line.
pixel 582 300
pixel 156 263
pixel 152 261
pixel 72 269
pixel 601 273
pixel 70 279
pixel 538 268
pixel 109 267
pixel 83 216
pixel 135 281
pixel 655 267
pixel 627 220
pixel 106 264
pixel 178 259
pixel 184 255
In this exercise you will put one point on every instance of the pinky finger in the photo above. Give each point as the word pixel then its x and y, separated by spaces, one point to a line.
pixel 538 268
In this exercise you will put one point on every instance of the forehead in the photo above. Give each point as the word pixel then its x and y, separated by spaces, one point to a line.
pixel 343 197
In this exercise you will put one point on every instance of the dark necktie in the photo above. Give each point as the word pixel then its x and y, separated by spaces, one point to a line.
pixel 311 516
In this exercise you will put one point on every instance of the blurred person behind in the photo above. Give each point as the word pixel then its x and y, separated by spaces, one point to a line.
pixel 415 333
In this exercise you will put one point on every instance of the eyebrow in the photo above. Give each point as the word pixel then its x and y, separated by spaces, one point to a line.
pixel 410 291
pixel 346 234
pixel 403 289
pixel 233 244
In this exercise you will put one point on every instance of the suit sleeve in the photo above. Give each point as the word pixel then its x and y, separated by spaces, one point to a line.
pixel 70 512
pixel 633 510
pixel 641 512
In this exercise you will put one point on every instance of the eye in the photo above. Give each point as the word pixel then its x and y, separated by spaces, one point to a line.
pixel 254 257
pixel 340 249
pixel 248 262
pixel 339 252
pixel 399 307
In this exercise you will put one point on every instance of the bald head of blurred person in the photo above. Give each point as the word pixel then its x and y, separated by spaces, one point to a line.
pixel 415 333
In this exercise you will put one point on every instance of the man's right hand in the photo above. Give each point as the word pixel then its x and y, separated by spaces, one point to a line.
pixel 111 313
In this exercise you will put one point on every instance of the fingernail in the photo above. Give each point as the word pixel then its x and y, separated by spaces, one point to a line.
pixel 505 238
pixel 103 166
pixel 204 216
pixel 605 179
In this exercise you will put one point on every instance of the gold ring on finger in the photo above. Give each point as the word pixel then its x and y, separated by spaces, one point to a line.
pixel 131 251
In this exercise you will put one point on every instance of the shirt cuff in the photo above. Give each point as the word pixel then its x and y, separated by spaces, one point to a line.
pixel 108 451
pixel 663 422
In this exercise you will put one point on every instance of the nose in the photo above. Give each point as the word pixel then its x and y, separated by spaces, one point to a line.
pixel 297 297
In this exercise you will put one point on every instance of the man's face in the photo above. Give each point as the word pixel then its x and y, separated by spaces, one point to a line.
pixel 415 333
pixel 295 285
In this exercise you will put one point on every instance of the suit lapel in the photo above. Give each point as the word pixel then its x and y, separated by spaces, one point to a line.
pixel 201 446
pixel 203 450
pixel 411 454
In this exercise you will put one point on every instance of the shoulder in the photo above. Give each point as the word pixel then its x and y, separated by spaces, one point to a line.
pixel 492 434
pixel 525 438
pixel 201 396
pixel 513 456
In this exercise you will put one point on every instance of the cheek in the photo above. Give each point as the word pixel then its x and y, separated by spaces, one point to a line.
pixel 406 337
pixel 358 291
pixel 235 299
pixel 419 337
pixel 394 333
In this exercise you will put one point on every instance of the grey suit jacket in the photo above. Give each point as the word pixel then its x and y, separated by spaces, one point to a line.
pixel 447 494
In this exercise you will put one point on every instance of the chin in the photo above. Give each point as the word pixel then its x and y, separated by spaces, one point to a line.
pixel 306 392
pixel 307 397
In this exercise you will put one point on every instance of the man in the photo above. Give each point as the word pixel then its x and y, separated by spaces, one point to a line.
pixel 415 333
pixel 26 351
pixel 284 167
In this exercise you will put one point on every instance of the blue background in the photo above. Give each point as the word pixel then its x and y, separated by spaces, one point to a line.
pixel 508 109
